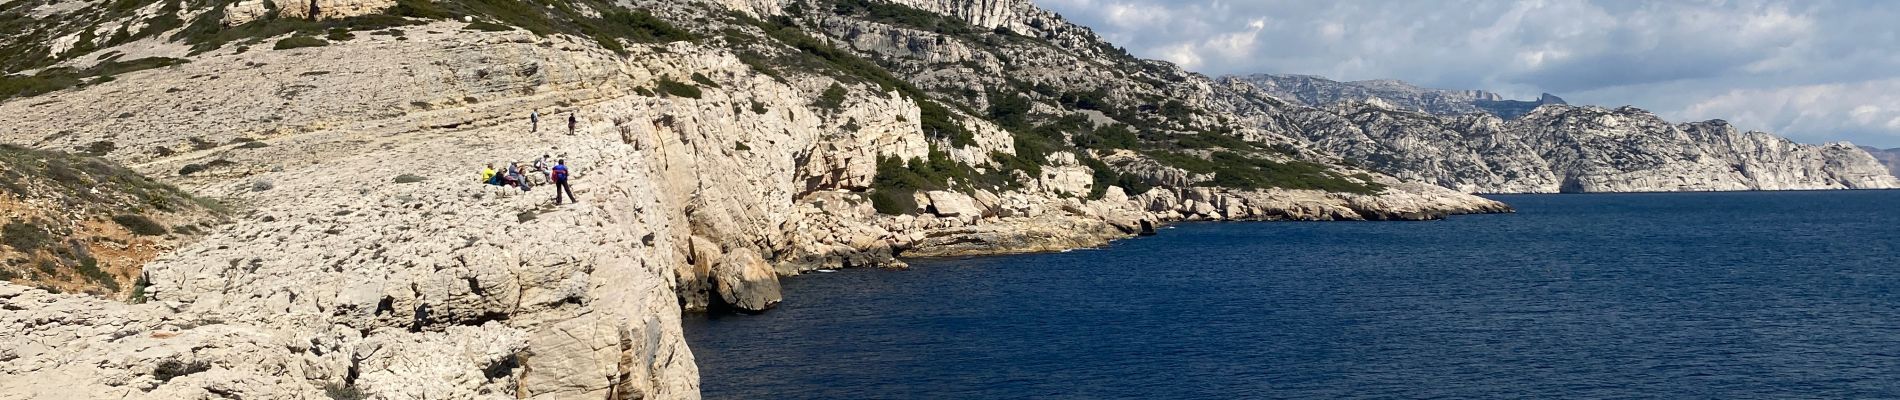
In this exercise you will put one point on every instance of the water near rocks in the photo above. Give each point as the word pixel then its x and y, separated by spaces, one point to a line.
pixel 1727 295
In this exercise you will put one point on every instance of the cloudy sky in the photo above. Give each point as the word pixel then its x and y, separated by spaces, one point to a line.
pixel 1812 70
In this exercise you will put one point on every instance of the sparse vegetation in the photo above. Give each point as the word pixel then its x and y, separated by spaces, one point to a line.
pixel 832 98
pixel 297 42
pixel 140 225
pixel 897 180
pixel 486 26
pixel 24 236
pixel 56 79
pixel 678 89
pixel 1234 170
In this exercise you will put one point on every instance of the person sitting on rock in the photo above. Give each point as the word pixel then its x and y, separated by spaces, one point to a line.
pixel 541 166
pixel 488 175
pixel 520 180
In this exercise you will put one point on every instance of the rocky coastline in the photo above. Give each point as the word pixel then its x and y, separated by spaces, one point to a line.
pixel 363 257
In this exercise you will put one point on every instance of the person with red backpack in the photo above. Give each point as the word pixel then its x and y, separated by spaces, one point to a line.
pixel 560 183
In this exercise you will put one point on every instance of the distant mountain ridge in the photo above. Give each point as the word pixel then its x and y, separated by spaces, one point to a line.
pixel 1887 157
pixel 1316 91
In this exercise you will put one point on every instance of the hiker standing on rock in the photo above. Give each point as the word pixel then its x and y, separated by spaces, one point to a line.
pixel 560 183
pixel 571 122
pixel 534 121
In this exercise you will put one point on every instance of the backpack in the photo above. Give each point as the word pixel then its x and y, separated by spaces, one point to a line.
pixel 560 174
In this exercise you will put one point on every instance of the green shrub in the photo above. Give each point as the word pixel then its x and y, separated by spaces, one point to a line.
pixel 1009 110
pixel 409 178
pixel 894 202
pixel 1110 137
pixel 486 26
pixel 140 225
pixel 832 98
pixel 138 290
pixel 89 269
pixel 297 42
pixel 610 43
pixel 101 148
pixel 641 26
pixel 23 236
pixel 1238 171
pixel 678 89
pixel 339 34
pixel 937 122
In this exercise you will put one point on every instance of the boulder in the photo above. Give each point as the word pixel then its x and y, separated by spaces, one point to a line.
pixel 953 205
pixel 745 281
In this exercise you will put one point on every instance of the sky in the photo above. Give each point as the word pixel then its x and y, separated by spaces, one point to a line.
pixel 1811 70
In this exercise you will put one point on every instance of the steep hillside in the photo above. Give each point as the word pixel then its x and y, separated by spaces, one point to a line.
pixel 1317 91
pixel 1584 149
pixel 80 224
pixel 1888 157
pixel 718 145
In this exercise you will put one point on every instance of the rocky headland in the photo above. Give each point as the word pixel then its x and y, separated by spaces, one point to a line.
pixel 1451 138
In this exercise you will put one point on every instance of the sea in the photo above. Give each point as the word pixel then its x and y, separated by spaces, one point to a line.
pixel 1756 295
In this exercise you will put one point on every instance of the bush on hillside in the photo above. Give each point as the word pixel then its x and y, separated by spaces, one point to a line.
pixel 140 225
pixel 832 98
pixel 297 42
pixel 678 89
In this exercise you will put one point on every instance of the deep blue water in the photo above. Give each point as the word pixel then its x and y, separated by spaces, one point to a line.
pixel 1728 295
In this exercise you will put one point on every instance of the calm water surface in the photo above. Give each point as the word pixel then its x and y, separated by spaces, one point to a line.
pixel 1733 295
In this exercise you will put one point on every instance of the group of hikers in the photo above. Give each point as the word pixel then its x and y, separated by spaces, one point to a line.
pixel 514 175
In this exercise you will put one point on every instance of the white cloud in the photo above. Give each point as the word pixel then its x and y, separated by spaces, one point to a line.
pixel 1811 112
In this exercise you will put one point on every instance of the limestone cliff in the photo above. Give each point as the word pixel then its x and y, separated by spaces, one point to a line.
pixel 1584 149
pixel 718 145
pixel 1474 142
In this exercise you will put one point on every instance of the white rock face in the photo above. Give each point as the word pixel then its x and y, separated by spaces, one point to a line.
pixel 1582 150
pixel 953 205
pixel 245 11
